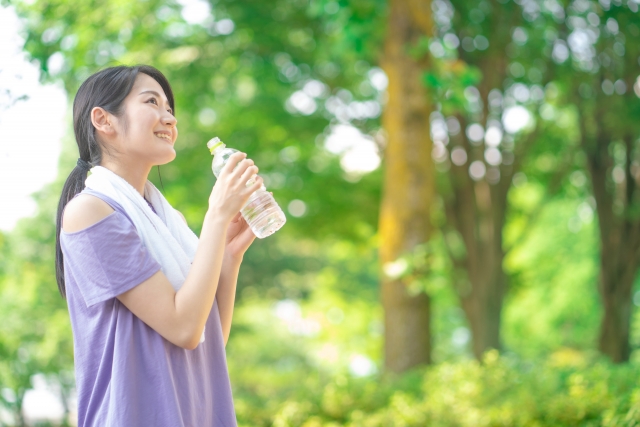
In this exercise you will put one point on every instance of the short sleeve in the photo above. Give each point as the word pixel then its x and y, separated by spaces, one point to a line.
pixel 107 259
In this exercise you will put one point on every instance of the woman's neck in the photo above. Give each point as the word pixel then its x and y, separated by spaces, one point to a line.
pixel 136 176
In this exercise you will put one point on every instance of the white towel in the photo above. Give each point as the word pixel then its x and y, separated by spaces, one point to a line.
pixel 169 240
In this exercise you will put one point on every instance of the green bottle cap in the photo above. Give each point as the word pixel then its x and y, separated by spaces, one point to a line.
pixel 214 143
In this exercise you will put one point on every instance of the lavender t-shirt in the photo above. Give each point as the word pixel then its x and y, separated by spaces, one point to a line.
pixel 126 373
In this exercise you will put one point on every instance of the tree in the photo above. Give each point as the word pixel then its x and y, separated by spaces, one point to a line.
pixel 491 65
pixel 601 77
pixel 408 187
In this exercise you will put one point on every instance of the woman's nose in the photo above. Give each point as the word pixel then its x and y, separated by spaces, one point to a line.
pixel 170 120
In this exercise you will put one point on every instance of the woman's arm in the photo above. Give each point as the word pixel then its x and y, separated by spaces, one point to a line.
pixel 226 294
pixel 239 238
pixel 180 316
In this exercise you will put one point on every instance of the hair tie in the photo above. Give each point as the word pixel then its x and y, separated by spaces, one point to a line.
pixel 83 165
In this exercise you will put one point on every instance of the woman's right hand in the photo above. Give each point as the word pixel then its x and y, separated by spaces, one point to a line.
pixel 230 192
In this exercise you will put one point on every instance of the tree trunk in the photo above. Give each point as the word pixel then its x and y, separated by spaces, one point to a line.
pixel 619 244
pixel 483 308
pixel 476 211
pixel 614 328
pixel 408 186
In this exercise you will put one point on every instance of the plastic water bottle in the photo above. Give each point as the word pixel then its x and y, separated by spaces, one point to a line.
pixel 261 211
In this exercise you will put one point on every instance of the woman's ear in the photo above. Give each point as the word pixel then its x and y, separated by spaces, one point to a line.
pixel 102 121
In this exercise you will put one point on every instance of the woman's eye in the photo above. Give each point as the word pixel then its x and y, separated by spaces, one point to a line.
pixel 153 100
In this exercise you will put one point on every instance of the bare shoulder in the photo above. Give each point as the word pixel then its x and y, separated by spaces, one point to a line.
pixel 84 211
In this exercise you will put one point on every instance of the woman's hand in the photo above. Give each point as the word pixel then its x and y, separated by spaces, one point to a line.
pixel 239 237
pixel 230 191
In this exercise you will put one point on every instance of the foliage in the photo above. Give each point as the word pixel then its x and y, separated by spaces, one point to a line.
pixel 567 389
pixel 242 70
pixel 35 334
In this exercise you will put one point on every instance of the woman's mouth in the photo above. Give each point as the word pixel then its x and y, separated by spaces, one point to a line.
pixel 162 135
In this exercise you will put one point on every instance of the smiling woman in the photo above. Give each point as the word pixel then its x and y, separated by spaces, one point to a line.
pixel 150 303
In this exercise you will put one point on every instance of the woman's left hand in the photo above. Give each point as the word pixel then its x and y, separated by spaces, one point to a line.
pixel 239 237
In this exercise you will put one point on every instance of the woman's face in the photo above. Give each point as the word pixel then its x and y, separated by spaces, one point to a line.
pixel 148 131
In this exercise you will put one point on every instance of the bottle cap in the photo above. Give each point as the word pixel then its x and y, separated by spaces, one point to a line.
pixel 214 143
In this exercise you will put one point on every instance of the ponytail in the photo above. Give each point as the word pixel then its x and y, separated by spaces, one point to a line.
pixel 73 185
pixel 106 89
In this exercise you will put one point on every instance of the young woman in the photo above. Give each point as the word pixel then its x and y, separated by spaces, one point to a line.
pixel 150 303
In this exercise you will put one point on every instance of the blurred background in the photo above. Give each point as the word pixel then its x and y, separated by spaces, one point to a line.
pixel 460 180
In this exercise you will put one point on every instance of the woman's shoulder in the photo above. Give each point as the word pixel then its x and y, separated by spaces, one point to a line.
pixel 84 211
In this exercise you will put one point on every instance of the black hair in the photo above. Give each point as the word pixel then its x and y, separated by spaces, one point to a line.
pixel 106 89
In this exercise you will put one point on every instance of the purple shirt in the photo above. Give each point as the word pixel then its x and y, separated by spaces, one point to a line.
pixel 126 373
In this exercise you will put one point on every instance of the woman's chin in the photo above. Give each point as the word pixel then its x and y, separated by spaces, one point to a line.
pixel 167 157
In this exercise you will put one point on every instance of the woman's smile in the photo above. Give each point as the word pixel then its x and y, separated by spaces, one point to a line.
pixel 164 135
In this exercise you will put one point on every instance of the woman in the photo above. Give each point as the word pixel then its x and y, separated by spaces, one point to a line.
pixel 150 304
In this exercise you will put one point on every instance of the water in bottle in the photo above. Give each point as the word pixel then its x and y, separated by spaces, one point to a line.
pixel 261 211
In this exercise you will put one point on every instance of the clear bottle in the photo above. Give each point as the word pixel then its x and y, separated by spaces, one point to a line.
pixel 261 211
